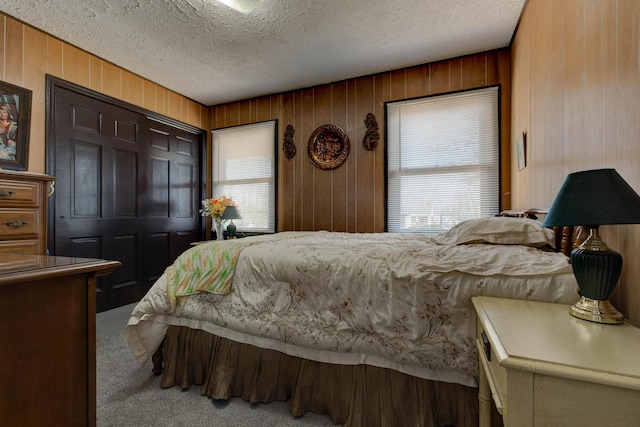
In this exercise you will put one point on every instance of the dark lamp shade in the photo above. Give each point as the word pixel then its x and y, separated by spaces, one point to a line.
pixel 593 198
pixel 231 212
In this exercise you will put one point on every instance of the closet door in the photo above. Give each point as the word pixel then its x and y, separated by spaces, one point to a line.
pixel 128 189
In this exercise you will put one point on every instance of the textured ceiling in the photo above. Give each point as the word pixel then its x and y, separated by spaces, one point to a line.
pixel 213 54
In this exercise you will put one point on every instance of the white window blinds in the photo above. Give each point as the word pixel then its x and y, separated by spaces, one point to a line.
pixel 443 156
pixel 244 169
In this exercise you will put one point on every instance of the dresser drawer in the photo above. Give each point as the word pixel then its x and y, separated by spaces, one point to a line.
pixel 20 247
pixel 18 222
pixel 19 193
pixel 23 212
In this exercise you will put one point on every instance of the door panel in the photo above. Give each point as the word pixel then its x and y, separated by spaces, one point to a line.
pixel 125 177
pixel 159 187
pixel 85 174
pixel 128 189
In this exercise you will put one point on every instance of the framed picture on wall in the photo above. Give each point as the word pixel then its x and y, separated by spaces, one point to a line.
pixel 521 148
pixel 15 123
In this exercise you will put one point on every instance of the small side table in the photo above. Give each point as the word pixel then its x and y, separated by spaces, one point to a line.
pixel 542 366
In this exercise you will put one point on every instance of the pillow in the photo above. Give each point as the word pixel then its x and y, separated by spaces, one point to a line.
pixel 498 231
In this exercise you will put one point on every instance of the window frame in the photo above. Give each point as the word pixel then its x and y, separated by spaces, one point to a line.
pixel 241 230
pixel 498 88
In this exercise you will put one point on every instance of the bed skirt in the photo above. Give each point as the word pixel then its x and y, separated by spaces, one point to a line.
pixel 352 395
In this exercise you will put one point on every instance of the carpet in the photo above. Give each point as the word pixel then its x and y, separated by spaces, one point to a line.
pixel 129 395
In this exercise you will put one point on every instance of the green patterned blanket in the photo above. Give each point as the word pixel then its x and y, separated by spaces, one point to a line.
pixel 209 267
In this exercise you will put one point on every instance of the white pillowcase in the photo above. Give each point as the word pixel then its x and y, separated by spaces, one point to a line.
pixel 498 231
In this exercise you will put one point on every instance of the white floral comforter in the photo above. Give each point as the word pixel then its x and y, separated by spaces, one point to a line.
pixel 391 300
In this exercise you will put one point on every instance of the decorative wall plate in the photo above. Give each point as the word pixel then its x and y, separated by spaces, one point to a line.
pixel 328 147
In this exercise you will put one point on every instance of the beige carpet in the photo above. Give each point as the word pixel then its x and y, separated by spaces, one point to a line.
pixel 130 395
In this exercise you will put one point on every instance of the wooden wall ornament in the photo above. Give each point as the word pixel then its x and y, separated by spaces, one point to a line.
pixel 289 146
pixel 371 136
pixel 328 147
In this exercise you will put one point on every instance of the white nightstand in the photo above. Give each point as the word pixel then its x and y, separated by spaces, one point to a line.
pixel 543 367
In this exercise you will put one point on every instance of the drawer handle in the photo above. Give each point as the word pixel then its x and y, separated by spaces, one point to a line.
pixel 6 193
pixel 487 345
pixel 16 224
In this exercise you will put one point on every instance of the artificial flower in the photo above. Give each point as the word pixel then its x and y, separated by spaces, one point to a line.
pixel 215 207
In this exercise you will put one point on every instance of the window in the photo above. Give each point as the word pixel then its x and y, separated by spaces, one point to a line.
pixel 244 168
pixel 443 155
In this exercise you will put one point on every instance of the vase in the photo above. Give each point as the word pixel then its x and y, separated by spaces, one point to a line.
pixel 216 226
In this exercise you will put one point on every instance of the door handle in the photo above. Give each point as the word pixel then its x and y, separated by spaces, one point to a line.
pixel 487 345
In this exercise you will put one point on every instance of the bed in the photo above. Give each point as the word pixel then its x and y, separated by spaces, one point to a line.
pixel 370 329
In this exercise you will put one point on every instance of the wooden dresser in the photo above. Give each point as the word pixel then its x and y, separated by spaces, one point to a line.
pixel 48 333
pixel 23 212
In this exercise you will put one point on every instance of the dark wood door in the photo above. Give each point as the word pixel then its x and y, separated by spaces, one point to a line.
pixel 128 188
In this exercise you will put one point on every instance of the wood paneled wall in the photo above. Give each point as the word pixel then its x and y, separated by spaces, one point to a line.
pixel 27 55
pixel 576 92
pixel 351 197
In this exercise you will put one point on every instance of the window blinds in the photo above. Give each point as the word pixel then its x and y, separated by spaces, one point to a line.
pixel 443 157
pixel 244 169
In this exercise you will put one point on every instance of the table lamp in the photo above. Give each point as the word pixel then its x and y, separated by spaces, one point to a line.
pixel 593 198
pixel 231 213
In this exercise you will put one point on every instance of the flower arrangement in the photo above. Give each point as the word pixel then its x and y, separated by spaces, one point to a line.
pixel 215 208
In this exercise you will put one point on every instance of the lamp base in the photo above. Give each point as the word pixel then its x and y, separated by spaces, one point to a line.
pixel 596 311
pixel 231 230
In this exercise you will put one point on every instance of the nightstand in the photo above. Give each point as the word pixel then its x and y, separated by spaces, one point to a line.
pixel 543 367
